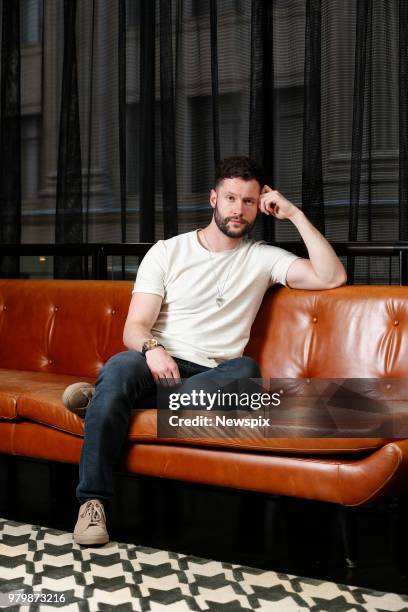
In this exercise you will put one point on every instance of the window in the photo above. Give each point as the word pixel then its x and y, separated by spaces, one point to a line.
pixel 288 129
pixel 30 156
pixel 30 22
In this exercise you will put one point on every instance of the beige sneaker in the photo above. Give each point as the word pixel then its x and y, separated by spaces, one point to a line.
pixel 90 529
pixel 77 396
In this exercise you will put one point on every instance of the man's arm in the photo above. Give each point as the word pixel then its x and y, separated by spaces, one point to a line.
pixel 143 312
pixel 323 269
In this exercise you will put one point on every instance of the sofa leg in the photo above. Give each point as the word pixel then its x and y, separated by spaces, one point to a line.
pixel 348 530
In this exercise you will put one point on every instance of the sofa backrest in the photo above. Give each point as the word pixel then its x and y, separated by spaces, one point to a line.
pixel 348 332
pixel 61 326
pixel 73 327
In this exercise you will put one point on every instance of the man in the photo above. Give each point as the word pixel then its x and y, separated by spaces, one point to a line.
pixel 194 301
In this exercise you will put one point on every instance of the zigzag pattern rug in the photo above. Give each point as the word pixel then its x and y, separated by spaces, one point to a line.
pixel 39 561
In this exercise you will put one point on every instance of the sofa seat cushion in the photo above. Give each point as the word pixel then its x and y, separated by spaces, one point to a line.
pixel 36 396
pixel 42 404
pixel 6 437
pixel 143 428
pixel 39 442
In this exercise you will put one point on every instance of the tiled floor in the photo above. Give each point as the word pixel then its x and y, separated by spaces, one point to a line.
pixel 39 562
pixel 282 535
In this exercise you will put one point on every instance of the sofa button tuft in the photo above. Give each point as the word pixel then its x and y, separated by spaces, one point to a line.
pixel 308 381
pixel 50 361
pixel 55 308
pixel 396 322
pixel 388 386
pixel 314 319
pixel 4 307
pixel 113 311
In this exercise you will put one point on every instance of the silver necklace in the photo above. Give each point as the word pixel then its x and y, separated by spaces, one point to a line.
pixel 219 300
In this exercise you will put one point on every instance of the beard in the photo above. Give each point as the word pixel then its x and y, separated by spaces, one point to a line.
pixel 222 224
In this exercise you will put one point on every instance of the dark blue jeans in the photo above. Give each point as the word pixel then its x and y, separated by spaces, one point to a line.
pixel 125 383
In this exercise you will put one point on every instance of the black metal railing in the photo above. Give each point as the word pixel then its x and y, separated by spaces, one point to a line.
pixel 97 254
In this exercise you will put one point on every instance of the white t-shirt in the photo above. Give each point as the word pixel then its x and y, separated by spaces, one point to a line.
pixel 191 325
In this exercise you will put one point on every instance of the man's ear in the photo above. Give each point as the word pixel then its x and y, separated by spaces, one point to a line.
pixel 213 198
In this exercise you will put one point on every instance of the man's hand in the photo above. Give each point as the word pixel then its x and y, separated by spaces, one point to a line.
pixel 163 367
pixel 271 202
pixel 323 269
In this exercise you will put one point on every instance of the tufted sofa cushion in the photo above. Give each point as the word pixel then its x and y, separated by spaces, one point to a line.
pixel 59 327
pixel 349 332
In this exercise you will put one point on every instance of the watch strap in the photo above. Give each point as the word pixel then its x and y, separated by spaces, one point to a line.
pixel 146 348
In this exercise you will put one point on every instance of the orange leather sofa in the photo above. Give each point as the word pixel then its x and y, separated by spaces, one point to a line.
pixel 55 332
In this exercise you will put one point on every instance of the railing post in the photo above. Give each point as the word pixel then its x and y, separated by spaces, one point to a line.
pixel 403 267
pixel 102 264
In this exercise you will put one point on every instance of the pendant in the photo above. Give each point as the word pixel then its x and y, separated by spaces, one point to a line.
pixel 220 301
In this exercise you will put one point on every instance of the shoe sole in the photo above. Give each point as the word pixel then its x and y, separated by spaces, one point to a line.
pixel 83 541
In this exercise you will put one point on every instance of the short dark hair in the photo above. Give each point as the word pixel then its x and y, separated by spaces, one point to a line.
pixel 239 166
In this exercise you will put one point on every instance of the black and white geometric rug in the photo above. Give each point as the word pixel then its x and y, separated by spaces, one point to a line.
pixel 44 565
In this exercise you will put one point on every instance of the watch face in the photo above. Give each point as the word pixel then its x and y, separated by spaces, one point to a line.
pixel 149 344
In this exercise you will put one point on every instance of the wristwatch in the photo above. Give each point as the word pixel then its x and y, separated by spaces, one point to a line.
pixel 150 344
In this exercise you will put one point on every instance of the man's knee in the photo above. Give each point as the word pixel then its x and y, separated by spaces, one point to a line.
pixel 119 384
pixel 240 368
pixel 124 365
pixel 247 368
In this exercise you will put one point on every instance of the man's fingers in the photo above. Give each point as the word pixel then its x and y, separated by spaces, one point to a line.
pixel 267 199
pixel 171 377
pixel 168 375
pixel 176 375
pixel 264 207
pixel 268 204
pixel 163 378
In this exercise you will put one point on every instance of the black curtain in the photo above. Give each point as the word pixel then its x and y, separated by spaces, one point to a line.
pixel 403 120
pixel 10 138
pixel 312 174
pixel 261 115
pixel 127 105
pixel 68 216
pixel 168 135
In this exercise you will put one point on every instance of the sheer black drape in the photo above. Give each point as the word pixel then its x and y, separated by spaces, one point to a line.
pixel 312 175
pixel 126 106
pixel 168 136
pixel 10 138
pixel 68 217
pixel 403 120
pixel 361 102
pixel 261 116
pixel 148 120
